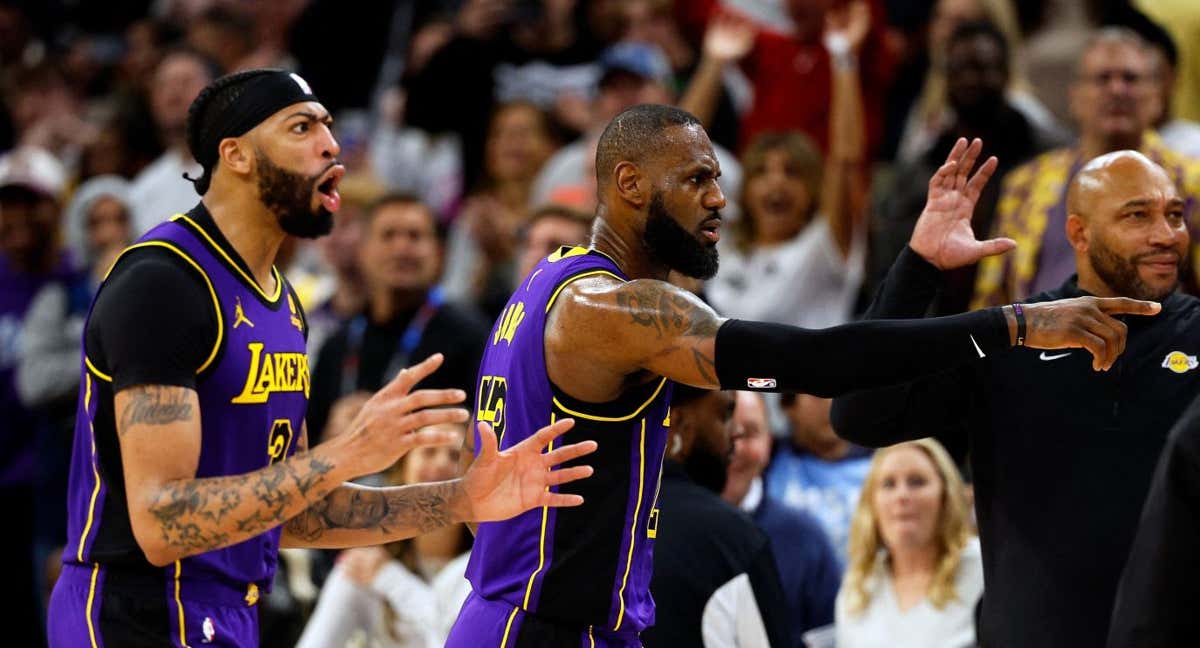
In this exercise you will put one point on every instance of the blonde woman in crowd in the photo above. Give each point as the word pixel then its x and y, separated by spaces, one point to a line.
pixel 402 595
pixel 915 572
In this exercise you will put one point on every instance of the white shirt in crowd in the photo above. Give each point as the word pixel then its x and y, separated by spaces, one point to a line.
pixel 160 191
pixel 883 625
pixel 803 282
pixel 420 616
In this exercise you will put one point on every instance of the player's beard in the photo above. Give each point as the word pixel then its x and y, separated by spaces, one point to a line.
pixel 1121 274
pixel 289 196
pixel 675 247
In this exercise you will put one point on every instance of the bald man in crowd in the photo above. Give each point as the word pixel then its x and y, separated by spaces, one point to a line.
pixel 1062 454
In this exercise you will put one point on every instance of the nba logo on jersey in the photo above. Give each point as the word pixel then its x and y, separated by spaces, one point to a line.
pixel 760 383
pixel 208 629
pixel 301 82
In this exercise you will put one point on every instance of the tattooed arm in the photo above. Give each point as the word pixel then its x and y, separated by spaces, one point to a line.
pixel 174 514
pixel 602 331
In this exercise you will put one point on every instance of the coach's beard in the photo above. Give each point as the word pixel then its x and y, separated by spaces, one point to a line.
pixel 289 196
pixel 676 247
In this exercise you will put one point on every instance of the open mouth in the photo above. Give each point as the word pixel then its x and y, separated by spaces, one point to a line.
pixel 327 188
pixel 711 229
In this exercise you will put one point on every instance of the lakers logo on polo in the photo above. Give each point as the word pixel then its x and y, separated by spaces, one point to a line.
pixel 271 373
pixel 1180 362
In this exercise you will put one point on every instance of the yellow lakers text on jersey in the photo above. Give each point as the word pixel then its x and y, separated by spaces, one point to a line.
pixel 272 372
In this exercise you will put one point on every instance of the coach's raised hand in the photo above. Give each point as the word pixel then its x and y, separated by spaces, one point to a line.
pixel 943 234
pixel 1082 322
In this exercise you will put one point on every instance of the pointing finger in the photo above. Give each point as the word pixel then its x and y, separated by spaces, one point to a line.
pixel 1125 305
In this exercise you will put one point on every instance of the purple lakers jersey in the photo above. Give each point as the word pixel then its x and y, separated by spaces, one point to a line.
pixel 590 564
pixel 253 391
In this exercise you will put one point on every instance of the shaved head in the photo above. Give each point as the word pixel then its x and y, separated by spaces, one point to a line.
pixel 633 134
pixel 1098 177
pixel 1127 223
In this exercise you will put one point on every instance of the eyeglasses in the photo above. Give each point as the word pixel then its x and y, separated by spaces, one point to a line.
pixel 1106 77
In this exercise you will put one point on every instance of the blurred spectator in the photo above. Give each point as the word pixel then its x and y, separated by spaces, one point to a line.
pixel 45 113
pixel 406 317
pixel 410 160
pixel 1182 19
pixel 340 293
pixel 799 252
pixel 816 471
pixel 791 73
pixel 1115 101
pixel 1179 134
pixel 548 229
pixel 934 114
pixel 976 77
pixel 788 260
pixel 401 595
pixel 30 182
pixel 97 224
pixel 224 34
pixel 160 191
pixel 915 570
pixel 480 255
pixel 145 41
pixel 808 566
pixel 632 73
pixel 502 51
pixel 1056 32
pixel 653 22
pixel 715 582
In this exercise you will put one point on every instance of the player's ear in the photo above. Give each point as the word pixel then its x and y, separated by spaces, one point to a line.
pixel 235 154
pixel 1077 233
pixel 630 183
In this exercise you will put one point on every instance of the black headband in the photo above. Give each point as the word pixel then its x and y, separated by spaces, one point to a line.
pixel 260 97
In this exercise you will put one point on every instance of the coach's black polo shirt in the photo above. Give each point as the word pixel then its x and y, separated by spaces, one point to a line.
pixel 1061 455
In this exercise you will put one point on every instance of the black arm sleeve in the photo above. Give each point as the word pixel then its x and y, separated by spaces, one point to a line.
pixel 929 406
pixel 1156 598
pixel 863 355
pixel 908 289
pixel 153 322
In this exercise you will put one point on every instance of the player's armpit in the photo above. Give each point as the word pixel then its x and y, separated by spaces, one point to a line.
pixel 644 324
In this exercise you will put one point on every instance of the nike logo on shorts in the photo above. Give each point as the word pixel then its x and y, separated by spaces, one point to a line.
pixel 1056 356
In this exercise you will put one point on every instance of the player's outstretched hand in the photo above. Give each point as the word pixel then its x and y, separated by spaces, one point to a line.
pixel 943 234
pixel 502 484
pixel 1083 322
pixel 394 421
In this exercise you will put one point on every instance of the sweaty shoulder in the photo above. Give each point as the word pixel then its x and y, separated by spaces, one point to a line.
pixel 154 320
pixel 631 320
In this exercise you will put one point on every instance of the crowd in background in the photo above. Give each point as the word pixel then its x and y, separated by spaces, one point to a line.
pixel 469 129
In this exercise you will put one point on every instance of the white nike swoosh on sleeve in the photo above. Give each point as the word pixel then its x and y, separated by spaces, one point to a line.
pixel 1056 356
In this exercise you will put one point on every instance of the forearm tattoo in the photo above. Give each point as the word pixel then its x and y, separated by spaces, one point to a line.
pixel 198 515
pixel 155 405
pixel 403 511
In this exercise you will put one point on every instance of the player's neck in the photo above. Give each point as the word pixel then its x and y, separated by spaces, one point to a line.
pixel 626 248
pixel 251 229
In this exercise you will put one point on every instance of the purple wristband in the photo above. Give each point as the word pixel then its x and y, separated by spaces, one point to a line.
pixel 1020 324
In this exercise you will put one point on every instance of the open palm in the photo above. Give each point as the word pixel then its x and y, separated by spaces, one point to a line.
pixel 500 485
pixel 943 234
